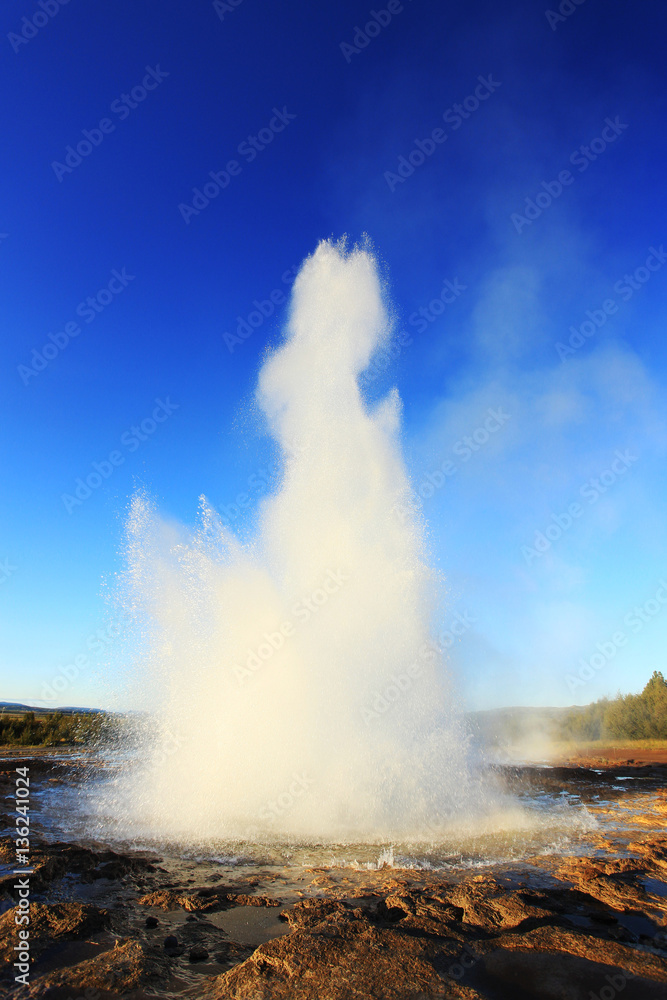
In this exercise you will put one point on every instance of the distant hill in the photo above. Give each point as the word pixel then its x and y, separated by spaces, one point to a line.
pixel 501 727
pixel 519 716
pixel 16 706
pixel 631 716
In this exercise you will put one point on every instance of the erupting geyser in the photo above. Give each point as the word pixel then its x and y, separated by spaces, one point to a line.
pixel 296 689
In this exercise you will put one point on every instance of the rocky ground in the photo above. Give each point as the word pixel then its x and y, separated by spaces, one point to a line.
pixel 107 925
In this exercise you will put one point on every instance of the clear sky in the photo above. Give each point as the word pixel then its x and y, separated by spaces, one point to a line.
pixel 508 164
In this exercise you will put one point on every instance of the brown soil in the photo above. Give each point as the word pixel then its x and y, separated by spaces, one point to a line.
pixel 613 755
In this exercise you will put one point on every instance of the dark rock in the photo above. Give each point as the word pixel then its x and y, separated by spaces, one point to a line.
pixel 206 900
pixel 152 922
pixel 392 914
pixel 164 899
pixel 171 942
pixel 198 953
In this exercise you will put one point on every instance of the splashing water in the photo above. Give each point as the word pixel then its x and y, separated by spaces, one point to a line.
pixel 295 689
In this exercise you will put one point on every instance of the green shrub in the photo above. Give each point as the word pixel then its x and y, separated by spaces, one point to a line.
pixel 53 729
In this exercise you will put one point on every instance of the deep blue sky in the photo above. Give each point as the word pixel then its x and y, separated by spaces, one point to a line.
pixel 494 346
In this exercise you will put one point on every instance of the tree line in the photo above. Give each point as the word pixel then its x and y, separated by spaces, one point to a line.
pixel 52 729
pixel 632 716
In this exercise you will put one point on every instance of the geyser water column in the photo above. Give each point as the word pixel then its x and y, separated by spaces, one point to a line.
pixel 294 685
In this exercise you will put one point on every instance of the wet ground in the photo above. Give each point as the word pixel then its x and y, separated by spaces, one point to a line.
pixel 572 904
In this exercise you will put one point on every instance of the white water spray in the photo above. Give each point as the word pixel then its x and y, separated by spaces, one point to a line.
pixel 294 684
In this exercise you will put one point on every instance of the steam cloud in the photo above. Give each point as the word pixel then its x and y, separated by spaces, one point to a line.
pixel 294 676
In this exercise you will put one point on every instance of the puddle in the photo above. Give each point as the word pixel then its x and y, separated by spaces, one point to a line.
pixel 638 924
pixel 250 925
pixel 63 954
pixel 654 885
